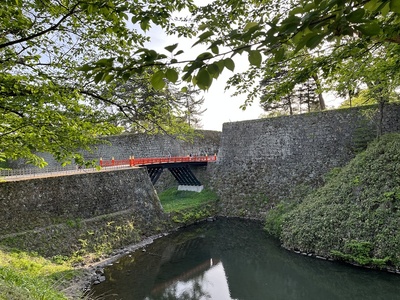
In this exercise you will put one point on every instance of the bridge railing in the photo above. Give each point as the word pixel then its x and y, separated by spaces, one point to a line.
pixel 39 172
pixel 59 170
pixel 155 160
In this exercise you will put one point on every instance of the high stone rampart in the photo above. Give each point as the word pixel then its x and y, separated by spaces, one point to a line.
pixel 81 212
pixel 263 161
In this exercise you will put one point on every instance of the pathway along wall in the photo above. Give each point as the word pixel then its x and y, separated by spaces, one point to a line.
pixel 263 161
pixel 80 213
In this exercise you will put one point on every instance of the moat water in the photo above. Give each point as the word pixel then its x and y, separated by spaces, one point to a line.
pixel 236 259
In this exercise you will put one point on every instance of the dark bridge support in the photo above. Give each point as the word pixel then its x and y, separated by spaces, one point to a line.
pixel 154 173
pixel 181 172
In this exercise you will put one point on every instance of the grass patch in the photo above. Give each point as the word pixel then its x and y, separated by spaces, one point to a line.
pixel 173 200
pixel 29 276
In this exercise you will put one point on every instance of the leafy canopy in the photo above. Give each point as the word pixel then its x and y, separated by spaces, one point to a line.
pixel 65 64
pixel 47 102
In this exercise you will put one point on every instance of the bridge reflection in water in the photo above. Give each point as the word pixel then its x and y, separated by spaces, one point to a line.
pixel 179 166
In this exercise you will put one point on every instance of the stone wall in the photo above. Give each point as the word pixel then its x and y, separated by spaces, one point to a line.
pixel 263 161
pixel 143 145
pixel 62 206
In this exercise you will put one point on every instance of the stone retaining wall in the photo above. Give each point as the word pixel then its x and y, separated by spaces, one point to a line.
pixel 263 161
pixel 60 206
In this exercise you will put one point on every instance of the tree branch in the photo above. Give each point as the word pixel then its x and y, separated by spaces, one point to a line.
pixel 19 114
pixel 51 28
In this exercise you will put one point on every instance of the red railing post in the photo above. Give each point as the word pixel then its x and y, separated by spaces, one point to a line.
pixel 215 156
pixel 101 162
pixel 112 161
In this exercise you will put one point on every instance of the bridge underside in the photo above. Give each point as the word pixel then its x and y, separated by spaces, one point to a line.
pixel 181 172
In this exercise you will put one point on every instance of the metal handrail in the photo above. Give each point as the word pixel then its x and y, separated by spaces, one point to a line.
pixel 156 160
pixel 33 172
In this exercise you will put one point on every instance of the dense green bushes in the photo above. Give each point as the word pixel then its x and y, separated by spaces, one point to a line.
pixel 355 216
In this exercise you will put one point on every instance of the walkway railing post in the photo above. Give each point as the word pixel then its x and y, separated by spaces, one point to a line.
pixel 131 161
pixel 112 161
pixel 215 156
pixel 101 162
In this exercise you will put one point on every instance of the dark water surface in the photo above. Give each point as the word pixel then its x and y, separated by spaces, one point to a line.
pixel 236 259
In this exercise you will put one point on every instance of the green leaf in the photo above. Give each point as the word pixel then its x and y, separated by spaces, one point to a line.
pixel 372 5
pixel 179 52
pixel 250 25
pixel 145 25
pixel 98 77
pixel 203 26
pixel 187 77
pixel 104 62
pixel 85 68
pixel 290 24
pixel 171 75
pixel 215 49
pixel 157 80
pixel 203 36
pixel 221 65
pixel 126 76
pixel 314 40
pixel 386 9
pixel 255 58
pixel 356 16
pixel 279 54
pixel 370 29
pixel 108 78
pixel 395 6
pixel 296 10
pixel 150 55
pixel 171 48
pixel 214 71
pixel 204 56
pixel 229 64
pixel 203 79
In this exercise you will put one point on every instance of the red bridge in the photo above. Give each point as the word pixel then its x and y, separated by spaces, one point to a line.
pixel 156 160
pixel 179 166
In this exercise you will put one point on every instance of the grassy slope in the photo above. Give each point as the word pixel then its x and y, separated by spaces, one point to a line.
pixel 356 215
pixel 174 200
pixel 186 207
pixel 26 276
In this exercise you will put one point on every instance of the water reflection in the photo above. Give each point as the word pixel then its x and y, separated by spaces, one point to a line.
pixel 235 259
pixel 206 281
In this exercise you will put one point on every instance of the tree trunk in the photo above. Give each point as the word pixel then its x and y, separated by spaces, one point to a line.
pixel 322 105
